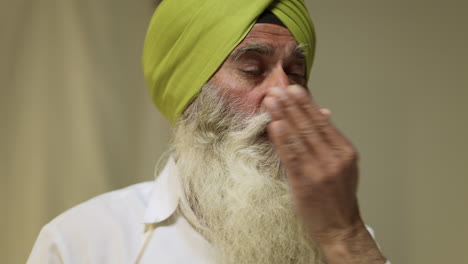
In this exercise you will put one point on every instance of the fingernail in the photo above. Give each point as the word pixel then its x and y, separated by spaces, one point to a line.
pixel 325 111
pixel 280 93
pixel 296 91
pixel 271 103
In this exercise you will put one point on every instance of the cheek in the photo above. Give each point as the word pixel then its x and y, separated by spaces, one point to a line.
pixel 243 99
pixel 239 92
pixel 249 102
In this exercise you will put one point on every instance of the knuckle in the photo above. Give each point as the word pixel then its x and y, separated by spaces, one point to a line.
pixel 320 120
pixel 294 145
pixel 326 180
pixel 322 123
pixel 307 129
pixel 308 106
pixel 334 167
pixel 293 161
pixel 350 154
pixel 293 151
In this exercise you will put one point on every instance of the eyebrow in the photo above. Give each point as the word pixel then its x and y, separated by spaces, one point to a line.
pixel 297 51
pixel 260 48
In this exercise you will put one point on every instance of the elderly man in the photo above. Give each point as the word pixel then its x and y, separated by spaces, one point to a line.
pixel 256 174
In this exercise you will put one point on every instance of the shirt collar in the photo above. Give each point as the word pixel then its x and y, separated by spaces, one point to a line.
pixel 165 195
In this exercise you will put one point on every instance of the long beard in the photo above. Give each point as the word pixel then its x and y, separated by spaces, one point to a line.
pixel 235 189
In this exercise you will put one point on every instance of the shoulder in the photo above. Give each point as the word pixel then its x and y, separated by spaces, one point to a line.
pixel 113 220
pixel 127 202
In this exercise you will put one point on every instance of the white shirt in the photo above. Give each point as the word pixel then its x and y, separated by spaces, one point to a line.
pixel 137 224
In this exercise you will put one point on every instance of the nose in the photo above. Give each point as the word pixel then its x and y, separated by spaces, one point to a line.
pixel 277 78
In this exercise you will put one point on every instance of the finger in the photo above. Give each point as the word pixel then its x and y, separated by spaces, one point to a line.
pixel 331 134
pixel 301 122
pixel 289 146
pixel 326 112
pixel 344 148
pixel 305 101
pixel 272 106
pixel 322 121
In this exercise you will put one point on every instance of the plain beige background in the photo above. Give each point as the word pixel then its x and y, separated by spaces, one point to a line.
pixel 76 119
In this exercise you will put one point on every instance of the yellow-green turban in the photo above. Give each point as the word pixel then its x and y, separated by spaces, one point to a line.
pixel 188 40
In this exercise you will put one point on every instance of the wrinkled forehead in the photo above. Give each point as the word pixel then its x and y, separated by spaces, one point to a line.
pixel 268 36
pixel 269 40
pixel 268 27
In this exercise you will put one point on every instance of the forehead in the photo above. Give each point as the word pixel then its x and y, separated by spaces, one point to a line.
pixel 269 33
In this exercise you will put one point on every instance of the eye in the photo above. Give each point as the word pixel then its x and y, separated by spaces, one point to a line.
pixel 296 71
pixel 252 70
pixel 252 73
pixel 298 75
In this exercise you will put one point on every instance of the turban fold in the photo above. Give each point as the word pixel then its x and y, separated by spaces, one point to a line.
pixel 188 40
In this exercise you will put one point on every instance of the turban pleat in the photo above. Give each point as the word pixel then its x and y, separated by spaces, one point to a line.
pixel 188 40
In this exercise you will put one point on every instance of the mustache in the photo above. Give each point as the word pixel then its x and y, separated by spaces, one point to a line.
pixel 253 128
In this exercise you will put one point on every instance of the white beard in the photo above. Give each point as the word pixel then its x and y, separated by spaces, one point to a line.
pixel 235 190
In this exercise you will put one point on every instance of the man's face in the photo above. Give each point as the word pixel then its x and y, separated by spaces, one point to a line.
pixel 268 57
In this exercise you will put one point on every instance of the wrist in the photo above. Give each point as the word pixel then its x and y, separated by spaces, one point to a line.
pixel 351 245
pixel 342 234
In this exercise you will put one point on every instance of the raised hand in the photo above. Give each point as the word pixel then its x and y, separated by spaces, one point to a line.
pixel 321 166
